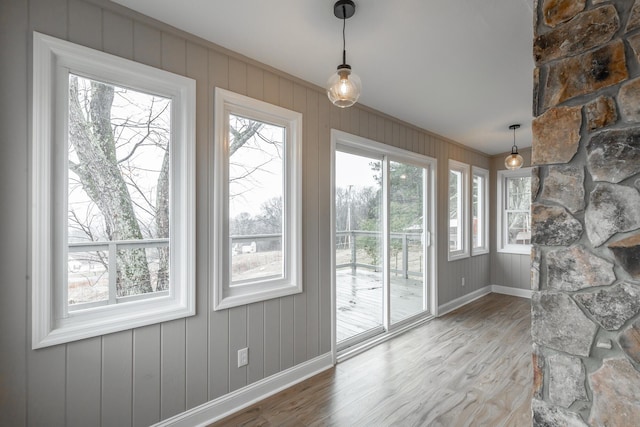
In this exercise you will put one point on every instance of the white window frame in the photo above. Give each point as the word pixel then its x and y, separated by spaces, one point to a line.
pixel 483 210
pixel 224 295
pixel 463 222
pixel 503 175
pixel 53 60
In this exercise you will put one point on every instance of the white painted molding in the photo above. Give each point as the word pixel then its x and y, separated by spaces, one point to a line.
pixel 463 300
pixel 228 404
pixel 466 299
pixel 507 290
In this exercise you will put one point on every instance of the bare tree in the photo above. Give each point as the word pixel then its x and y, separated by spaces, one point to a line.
pixel 91 136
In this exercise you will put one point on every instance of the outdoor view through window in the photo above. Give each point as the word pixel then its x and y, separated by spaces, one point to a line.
pixel 117 194
pixel 518 214
pixel 256 192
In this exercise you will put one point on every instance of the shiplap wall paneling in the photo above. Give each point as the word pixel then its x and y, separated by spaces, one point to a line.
pixel 46 386
pixel 218 320
pixel 13 218
pixel 237 341
pixel 85 24
pixel 84 382
pixel 117 372
pixel 300 300
pixel 271 337
pixel 311 210
pixel 197 352
pixel 286 332
pixel 117 35
pixel 45 16
pixel 172 368
pixel 324 223
pixel 255 342
pixel 146 375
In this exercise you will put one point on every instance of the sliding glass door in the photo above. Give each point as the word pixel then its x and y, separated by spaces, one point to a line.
pixel 359 275
pixel 406 248
pixel 382 223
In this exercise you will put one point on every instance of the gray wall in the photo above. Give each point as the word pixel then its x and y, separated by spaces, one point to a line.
pixel 137 377
pixel 510 270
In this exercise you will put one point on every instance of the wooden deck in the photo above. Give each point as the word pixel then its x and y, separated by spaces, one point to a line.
pixel 471 367
pixel 359 300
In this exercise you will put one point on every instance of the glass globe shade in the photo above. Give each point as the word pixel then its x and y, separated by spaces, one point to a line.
pixel 513 161
pixel 344 87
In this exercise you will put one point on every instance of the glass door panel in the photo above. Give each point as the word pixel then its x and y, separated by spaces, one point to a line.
pixel 406 251
pixel 358 222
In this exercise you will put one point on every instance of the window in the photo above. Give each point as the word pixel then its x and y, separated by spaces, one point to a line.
pixel 256 201
pixel 113 193
pixel 514 219
pixel 458 210
pixel 479 211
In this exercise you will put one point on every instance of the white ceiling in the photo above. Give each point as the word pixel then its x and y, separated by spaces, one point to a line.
pixel 459 68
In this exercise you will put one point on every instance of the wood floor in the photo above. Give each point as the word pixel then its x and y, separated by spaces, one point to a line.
pixel 471 367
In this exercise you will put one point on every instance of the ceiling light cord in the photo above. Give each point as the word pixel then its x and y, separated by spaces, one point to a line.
pixel 344 39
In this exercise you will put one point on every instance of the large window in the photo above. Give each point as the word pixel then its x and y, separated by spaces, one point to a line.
pixel 257 197
pixel 514 221
pixel 113 234
pixel 458 210
pixel 479 211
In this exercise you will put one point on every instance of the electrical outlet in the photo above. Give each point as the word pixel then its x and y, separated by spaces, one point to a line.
pixel 463 281
pixel 243 357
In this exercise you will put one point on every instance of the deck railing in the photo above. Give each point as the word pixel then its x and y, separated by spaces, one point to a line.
pixel 370 242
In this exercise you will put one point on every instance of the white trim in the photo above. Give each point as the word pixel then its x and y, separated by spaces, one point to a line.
pixel 507 290
pixel 463 215
pixel 484 174
pixel 226 296
pixel 463 300
pixel 500 197
pixel 228 404
pixel 53 60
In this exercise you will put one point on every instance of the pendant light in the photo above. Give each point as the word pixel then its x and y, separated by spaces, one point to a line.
pixel 344 87
pixel 514 160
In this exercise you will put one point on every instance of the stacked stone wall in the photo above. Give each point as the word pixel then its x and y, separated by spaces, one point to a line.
pixel 585 271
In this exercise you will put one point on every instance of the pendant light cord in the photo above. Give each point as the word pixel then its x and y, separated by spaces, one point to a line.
pixel 344 42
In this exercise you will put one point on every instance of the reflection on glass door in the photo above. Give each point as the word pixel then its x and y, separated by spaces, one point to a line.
pixel 407 230
pixel 358 227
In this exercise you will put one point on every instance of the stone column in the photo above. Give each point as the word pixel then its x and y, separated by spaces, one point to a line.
pixel 586 213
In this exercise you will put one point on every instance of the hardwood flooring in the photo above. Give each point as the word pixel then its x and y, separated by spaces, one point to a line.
pixel 471 367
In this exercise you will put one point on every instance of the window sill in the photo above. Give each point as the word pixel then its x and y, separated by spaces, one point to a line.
pixel 515 250
pixel 456 257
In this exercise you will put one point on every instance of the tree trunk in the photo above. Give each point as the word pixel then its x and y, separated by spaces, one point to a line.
pixel 162 222
pixel 93 140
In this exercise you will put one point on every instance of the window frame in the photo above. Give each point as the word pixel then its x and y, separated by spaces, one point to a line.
pixel 463 222
pixel 53 61
pixel 484 208
pixel 503 247
pixel 224 294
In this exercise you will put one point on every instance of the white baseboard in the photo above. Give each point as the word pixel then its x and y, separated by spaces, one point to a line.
pixel 466 299
pixel 516 292
pixel 228 404
pixel 463 300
